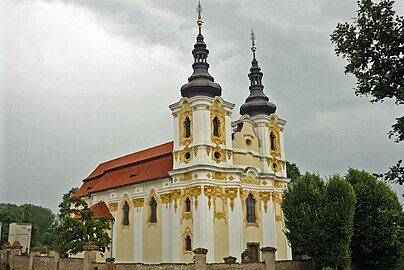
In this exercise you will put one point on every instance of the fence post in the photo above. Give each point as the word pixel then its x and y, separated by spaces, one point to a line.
pixel 15 251
pixel 90 254
pixel 110 264
pixel 200 258
pixel 268 254
pixel 55 255
pixel 5 255
pixel 36 251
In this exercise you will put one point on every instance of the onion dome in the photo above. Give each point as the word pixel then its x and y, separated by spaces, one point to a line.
pixel 257 102
pixel 201 83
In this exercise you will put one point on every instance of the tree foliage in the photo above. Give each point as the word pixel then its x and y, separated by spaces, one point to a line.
pixel 319 217
pixel 378 223
pixel 73 233
pixel 64 206
pixel 373 45
pixel 41 218
pixel 292 171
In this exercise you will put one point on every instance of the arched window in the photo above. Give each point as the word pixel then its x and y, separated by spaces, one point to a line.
pixel 125 214
pixel 187 126
pixel 187 205
pixel 216 126
pixel 153 211
pixel 250 202
pixel 188 243
pixel 273 141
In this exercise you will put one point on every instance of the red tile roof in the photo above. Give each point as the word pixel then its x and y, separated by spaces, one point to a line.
pixel 138 167
pixel 100 209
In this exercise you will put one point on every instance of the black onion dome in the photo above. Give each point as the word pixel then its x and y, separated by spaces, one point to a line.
pixel 257 102
pixel 201 83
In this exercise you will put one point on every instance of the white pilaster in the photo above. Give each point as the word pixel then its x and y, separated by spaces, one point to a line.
pixel 174 234
pixel 207 230
pixel 165 215
pixel 272 224
pixel 288 251
pixel 138 235
pixel 267 231
pixel 235 226
pixel 114 236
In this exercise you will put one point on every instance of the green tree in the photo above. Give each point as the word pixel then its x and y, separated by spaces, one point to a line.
pixel 73 233
pixel 318 218
pixel 373 45
pixel 292 171
pixel 377 240
pixel 337 215
pixel 41 218
pixel 6 217
pixel 64 206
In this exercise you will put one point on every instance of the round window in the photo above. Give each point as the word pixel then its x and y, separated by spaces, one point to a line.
pixel 248 142
pixel 187 155
pixel 216 155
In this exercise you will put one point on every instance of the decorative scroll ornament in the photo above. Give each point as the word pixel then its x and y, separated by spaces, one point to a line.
pixel 231 193
pixel 186 177
pixel 139 202
pixel 219 176
pixel 265 196
pixel 175 195
pixel 113 207
pixel 250 180
pixel 166 199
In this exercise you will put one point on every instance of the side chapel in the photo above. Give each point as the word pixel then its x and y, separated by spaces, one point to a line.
pixel 218 185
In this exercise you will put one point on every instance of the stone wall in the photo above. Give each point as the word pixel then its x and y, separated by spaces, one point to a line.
pixel 236 266
pixel 306 264
pixel 35 261
pixel 22 262
pixel 70 264
pixel 129 266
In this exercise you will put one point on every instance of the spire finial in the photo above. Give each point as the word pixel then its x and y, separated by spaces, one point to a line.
pixel 199 10
pixel 253 37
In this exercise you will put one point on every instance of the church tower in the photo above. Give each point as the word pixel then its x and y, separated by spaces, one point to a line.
pixel 202 119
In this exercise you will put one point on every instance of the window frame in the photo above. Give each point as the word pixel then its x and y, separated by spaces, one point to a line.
pixel 125 214
pixel 153 211
pixel 251 204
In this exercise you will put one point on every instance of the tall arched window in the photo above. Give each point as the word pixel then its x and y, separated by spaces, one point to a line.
pixel 273 141
pixel 216 126
pixel 188 243
pixel 187 127
pixel 250 202
pixel 125 214
pixel 153 211
pixel 187 205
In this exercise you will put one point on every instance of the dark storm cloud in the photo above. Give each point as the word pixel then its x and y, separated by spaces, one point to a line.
pixel 88 81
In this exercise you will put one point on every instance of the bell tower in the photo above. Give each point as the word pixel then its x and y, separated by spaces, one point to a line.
pixel 202 119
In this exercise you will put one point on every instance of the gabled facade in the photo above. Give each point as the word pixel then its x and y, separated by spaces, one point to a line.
pixel 217 185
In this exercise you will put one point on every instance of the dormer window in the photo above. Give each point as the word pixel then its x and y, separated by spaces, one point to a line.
pixel 187 127
pixel 216 126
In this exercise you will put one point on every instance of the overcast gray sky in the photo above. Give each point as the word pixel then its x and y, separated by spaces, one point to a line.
pixel 88 81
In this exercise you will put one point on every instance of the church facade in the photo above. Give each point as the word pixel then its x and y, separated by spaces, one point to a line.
pixel 218 185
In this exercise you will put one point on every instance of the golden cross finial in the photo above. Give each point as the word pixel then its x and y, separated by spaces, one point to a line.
pixel 253 37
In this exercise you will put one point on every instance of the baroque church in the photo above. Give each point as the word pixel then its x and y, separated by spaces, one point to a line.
pixel 218 185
